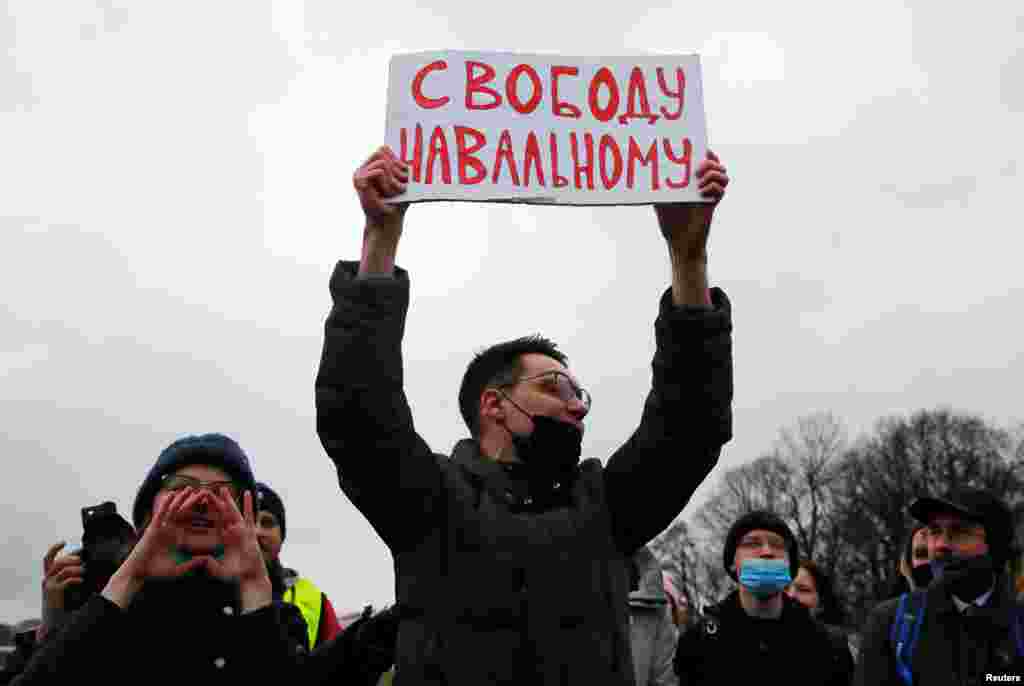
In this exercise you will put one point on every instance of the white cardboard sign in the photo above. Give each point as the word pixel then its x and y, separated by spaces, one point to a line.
pixel 490 126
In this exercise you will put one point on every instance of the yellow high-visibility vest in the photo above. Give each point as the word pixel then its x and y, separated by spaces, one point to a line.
pixel 304 595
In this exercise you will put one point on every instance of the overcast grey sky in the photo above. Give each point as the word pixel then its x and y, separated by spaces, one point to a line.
pixel 176 189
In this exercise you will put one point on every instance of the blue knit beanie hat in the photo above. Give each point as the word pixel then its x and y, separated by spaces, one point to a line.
pixel 216 450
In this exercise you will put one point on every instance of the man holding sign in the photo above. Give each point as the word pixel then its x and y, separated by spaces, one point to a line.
pixel 512 557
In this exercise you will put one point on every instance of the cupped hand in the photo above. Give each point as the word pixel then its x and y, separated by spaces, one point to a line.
pixel 243 558
pixel 153 556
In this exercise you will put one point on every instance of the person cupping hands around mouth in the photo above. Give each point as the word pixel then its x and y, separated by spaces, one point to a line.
pixel 195 510
pixel 202 521
pixel 193 590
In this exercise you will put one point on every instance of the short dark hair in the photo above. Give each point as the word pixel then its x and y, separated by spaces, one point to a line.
pixel 496 365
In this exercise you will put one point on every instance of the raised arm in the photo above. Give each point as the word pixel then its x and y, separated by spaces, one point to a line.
pixel 363 418
pixel 688 414
pixel 382 176
pixel 685 227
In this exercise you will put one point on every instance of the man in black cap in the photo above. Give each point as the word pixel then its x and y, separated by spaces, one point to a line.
pixel 965 627
pixel 758 634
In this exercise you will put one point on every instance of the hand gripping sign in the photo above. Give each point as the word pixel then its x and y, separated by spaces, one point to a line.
pixel 547 129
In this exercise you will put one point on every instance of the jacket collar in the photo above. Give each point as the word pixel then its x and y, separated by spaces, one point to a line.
pixel 791 609
pixel 996 611
pixel 512 481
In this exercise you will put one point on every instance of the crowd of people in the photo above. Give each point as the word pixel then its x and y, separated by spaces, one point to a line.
pixel 516 562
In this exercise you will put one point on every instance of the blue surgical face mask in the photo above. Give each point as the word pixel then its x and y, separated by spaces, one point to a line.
pixel 765 578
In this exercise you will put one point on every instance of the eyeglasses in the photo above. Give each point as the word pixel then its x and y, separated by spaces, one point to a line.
pixel 559 383
pixel 179 482
pixel 958 534
pixel 774 543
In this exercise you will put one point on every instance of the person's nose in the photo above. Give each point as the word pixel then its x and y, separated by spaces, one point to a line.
pixel 577 409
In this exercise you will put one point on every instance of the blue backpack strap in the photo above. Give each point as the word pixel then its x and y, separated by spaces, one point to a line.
pixel 904 636
pixel 897 621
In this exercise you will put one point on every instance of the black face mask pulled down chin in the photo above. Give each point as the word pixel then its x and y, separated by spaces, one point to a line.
pixel 552 451
pixel 965 577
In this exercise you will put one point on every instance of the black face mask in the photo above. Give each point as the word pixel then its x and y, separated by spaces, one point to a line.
pixel 965 577
pixel 922 575
pixel 552 450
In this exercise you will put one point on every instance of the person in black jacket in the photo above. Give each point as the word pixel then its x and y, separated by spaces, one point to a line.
pixel 813 588
pixel 758 634
pixel 512 557
pixel 965 627
pixel 192 601
pixel 317 610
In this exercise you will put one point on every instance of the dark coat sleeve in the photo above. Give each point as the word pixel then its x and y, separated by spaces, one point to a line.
pixel 363 417
pixel 25 645
pixel 270 642
pixel 689 658
pixel 686 420
pixel 877 665
pixel 77 651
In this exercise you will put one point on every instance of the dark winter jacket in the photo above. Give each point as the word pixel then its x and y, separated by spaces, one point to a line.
pixel 728 646
pixel 189 630
pixel 500 578
pixel 951 649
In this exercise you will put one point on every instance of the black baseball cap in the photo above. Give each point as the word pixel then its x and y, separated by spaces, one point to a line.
pixel 974 505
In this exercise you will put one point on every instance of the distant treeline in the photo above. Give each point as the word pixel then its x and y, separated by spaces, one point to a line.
pixel 846 500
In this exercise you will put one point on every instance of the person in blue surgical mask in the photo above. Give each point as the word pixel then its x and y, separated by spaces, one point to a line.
pixel 750 635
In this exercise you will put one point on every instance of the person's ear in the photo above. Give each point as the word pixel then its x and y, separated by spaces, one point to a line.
pixel 491 405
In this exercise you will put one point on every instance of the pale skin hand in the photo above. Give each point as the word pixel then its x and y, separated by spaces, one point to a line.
pixel 242 560
pixel 151 557
pixel 382 176
pixel 58 574
pixel 243 557
pixel 685 227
